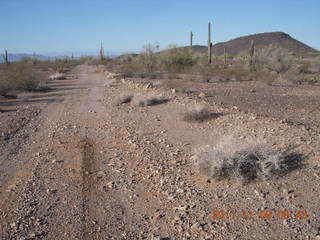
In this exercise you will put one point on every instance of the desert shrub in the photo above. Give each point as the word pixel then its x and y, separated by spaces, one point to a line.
pixel 305 67
pixel 197 113
pixel 130 68
pixel 156 84
pixel 148 58
pixel 20 77
pixel 98 61
pixel 148 100
pixel 123 98
pixel 62 65
pixel 235 73
pixel 57 76
pixel 303 73
pixel 28 75
pixel 176 59
pixel 309 65
pixel 274 59
pixel 265 76
pixel 84 59
pixel 243 159
pixel 57 65
pixel 303 78
pixel 217 72
pixel 203 69
pixel 142 65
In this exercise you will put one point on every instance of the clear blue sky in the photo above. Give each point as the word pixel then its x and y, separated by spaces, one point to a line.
pixel 49 26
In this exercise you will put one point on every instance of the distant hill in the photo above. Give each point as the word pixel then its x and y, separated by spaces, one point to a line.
pixel 278 39
pixel 17 57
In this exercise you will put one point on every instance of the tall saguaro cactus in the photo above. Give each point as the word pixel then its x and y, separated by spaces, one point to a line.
pixel 191 42
pixel 5 57
pixel 251 60
pixel 209 44
pixel 101 53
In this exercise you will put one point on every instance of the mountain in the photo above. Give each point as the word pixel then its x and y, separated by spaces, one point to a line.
pixel 17 57
pixel 277 39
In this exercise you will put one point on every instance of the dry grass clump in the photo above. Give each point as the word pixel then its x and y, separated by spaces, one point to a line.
pixel 197 113
pixel 123 98
pixel 110 83
pixel 110 75
pixel 57 76
pixel 156 84
pixel 148 100
pixel 242 159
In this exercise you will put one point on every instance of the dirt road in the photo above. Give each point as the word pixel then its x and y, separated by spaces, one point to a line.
pixel 76 166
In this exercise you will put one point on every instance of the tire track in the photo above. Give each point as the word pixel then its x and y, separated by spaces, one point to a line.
pixel 88 183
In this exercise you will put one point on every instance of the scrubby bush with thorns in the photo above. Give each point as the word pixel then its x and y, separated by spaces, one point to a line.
pixel 243 159
pixel 197 113
pixel 20 77
pixel 123 98
pixel 148 100
pixel 274 59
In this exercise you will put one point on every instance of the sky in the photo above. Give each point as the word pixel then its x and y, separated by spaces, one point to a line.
pixel 80 26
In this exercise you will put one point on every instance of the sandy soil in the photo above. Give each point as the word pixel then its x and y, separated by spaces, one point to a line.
pixel 74 165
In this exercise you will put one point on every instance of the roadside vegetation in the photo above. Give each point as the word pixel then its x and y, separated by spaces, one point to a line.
pixel 268 64
pixel 148 100
pixel 123 98
pixel 32 75
pixel 244 160
pixel 198 113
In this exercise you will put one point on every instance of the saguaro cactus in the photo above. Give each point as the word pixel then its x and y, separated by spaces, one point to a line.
pixel 5 57
pixel 251 57
pixel 191 42
pixel 101 53
pixel 34 58
pixel 209 44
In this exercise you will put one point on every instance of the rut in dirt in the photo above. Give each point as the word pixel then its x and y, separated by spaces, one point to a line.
pixel 88 183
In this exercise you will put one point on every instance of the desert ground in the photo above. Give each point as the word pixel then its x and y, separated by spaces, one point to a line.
pixel 76 165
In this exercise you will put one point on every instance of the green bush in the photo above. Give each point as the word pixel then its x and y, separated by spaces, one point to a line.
pixel 274 59
pixel 176 59
pixel 148 58
pixel 20 76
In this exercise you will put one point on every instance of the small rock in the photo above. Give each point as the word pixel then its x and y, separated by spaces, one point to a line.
pixel 13 225
pixel 100 174
pixel 111 185
pixel 202 95
pixel 33 235
pixel 51 191
pixel 195 226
